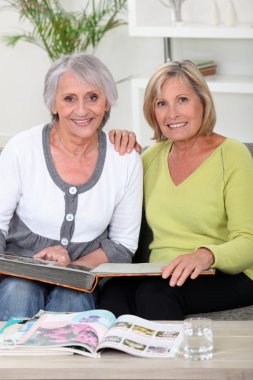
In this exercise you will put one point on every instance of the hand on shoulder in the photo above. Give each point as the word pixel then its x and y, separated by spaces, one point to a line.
pixel 124 141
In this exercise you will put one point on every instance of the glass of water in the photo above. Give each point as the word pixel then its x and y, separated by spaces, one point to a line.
pixel 198 338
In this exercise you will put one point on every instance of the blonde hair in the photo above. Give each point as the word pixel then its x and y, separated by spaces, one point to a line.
pixel 186 70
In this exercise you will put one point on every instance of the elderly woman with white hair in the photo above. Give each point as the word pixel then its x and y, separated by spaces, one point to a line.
pixel 66 195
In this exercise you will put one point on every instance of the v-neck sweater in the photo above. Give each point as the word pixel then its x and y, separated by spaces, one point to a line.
pixel 211 208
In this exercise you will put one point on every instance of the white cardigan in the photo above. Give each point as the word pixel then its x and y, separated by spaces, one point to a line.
pixel 44 210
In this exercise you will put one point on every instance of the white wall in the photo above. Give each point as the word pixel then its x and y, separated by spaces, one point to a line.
pixel 22 71
pixel 234 58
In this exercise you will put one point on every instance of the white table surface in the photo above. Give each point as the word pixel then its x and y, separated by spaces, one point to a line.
pixel 232 360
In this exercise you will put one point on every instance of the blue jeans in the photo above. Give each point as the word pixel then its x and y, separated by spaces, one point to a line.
pixel 24 298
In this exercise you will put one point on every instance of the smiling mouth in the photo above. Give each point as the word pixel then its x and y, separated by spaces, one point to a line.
pixel 176 125
pixel 82 122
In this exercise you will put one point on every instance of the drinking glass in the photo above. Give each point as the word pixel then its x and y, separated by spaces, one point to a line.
pixel 198 338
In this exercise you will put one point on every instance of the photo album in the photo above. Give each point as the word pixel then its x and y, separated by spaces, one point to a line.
pixel 74 276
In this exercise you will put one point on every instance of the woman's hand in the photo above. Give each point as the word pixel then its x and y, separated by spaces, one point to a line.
pixel 188 265
pixel 56 253
pixel 124 141
pixel 92 259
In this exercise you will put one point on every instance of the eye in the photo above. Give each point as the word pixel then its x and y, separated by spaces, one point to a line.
pixel 182 99
pixel 93 97
pixel 160 103
pixel 69 98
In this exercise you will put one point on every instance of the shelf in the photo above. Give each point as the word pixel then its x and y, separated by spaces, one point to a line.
pixel 193 31
pixel 231 47
pixel 217 83
pixel 185 30
pixel 230 84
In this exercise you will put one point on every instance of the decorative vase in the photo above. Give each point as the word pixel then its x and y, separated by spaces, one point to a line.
pixel 176 10
pixel 214 14
pixel 230 14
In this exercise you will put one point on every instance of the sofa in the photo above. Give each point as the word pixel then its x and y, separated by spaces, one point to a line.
pixel 142 255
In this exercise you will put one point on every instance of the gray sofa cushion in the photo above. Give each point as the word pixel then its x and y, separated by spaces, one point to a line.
pixel 242 313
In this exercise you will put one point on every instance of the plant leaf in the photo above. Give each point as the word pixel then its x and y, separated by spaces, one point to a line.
pixel 59 31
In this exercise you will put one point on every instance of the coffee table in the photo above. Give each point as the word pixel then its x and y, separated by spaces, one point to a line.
pixel 233 360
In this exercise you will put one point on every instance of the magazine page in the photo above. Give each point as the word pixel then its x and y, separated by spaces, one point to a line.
pixel 77 332
pixel 141 337
pixel 13 330
pixel 13 333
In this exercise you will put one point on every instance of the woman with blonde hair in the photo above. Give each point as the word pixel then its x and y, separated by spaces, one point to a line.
pixel 198 201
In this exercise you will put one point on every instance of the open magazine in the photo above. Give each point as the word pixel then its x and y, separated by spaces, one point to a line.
pixel 74 276
pixel 88 333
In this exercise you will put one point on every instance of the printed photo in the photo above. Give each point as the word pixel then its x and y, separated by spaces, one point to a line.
pixel 135 345
pixel 141 330
pixel 167 334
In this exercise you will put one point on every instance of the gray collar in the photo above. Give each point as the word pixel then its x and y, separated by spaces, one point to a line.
pixel 64 186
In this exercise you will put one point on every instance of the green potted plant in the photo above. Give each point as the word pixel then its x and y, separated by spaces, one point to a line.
pixel 59 31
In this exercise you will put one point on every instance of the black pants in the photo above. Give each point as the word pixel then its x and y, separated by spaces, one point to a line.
pixel 153 298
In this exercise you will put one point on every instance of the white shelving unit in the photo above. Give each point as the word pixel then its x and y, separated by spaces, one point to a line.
pixel 140 26
pixel 193 31
pixel 156 28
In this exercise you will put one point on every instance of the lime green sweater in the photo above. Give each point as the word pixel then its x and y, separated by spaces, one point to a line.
pixel 212 208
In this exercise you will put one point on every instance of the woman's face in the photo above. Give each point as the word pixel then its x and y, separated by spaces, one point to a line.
pixel 80 106
pixel 179 111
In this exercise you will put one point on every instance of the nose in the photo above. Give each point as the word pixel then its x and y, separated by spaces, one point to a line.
pixel 82 107
pixel 172 111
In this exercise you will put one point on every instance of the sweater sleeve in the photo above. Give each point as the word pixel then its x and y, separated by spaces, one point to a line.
pixel 236 254
pixel 124 227
pixel 10 189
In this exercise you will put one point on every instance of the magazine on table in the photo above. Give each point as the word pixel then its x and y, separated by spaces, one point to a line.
pixel 74 276
pixel 89 333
